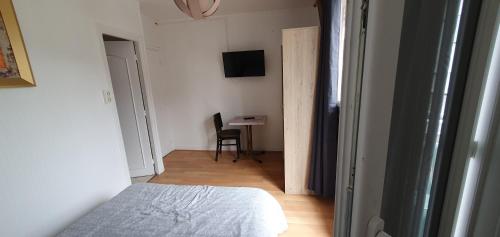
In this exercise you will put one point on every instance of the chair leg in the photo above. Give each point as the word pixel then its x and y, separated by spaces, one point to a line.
pixel 220 147
pixel 217 151
pixel 238 150
pixel 239 146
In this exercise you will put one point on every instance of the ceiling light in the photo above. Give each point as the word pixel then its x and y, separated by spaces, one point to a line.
pixel 198 9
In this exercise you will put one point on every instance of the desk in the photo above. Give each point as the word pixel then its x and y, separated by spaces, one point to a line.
pixel 257 120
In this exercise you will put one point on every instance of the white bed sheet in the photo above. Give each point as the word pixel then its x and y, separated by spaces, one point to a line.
pixel 175 210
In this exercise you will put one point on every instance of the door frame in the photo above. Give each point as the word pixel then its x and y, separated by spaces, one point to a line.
pixel 147 91
pixel 359 159
pixel 349 114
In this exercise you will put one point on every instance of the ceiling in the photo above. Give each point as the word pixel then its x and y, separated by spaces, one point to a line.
pixel 165 10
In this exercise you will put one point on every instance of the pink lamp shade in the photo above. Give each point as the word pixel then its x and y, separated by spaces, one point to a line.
pixel 198 9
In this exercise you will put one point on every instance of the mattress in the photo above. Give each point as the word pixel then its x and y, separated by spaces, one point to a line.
pixel 175 210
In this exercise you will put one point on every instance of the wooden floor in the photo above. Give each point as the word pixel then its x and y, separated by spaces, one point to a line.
pixel 307 215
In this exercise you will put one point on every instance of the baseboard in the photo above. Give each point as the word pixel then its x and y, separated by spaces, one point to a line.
pixel 227 148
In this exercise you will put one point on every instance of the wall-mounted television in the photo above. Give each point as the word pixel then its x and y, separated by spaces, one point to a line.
pixel 244 63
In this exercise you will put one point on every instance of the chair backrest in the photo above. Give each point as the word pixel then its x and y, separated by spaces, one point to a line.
pixel 218 122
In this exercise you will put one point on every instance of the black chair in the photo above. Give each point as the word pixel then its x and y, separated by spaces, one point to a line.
pixel 226 134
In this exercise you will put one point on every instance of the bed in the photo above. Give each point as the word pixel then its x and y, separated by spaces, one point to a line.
pixel 181 211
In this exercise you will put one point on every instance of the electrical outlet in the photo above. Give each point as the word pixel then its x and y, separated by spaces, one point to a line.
pixel 107 96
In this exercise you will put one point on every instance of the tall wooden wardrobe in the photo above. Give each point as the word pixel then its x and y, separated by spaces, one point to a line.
pixel 300 60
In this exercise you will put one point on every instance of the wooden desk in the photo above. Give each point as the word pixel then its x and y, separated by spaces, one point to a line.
pixel 258 120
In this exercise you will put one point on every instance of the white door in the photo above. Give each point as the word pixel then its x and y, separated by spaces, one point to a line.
pixel 124 72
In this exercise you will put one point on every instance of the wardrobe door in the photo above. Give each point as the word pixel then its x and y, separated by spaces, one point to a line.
pixel 300 59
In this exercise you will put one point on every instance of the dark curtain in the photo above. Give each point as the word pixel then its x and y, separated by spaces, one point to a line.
pixel 326 118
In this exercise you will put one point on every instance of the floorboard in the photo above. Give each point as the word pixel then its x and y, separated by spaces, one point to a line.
pixel 306 215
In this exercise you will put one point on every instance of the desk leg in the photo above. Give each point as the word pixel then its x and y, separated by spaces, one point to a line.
pixel 250 151
pixel 247 127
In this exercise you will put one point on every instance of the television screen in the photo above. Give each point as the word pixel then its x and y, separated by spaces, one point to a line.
pixel 244 63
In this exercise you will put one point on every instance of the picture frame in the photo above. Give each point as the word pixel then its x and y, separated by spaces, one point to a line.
pixel 15 68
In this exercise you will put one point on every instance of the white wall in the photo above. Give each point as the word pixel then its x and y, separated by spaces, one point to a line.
pixel 152 35
pixel 154 55
pixel 192 86
pixel 61 151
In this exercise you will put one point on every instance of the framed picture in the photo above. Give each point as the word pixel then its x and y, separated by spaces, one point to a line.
pixel 15 69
